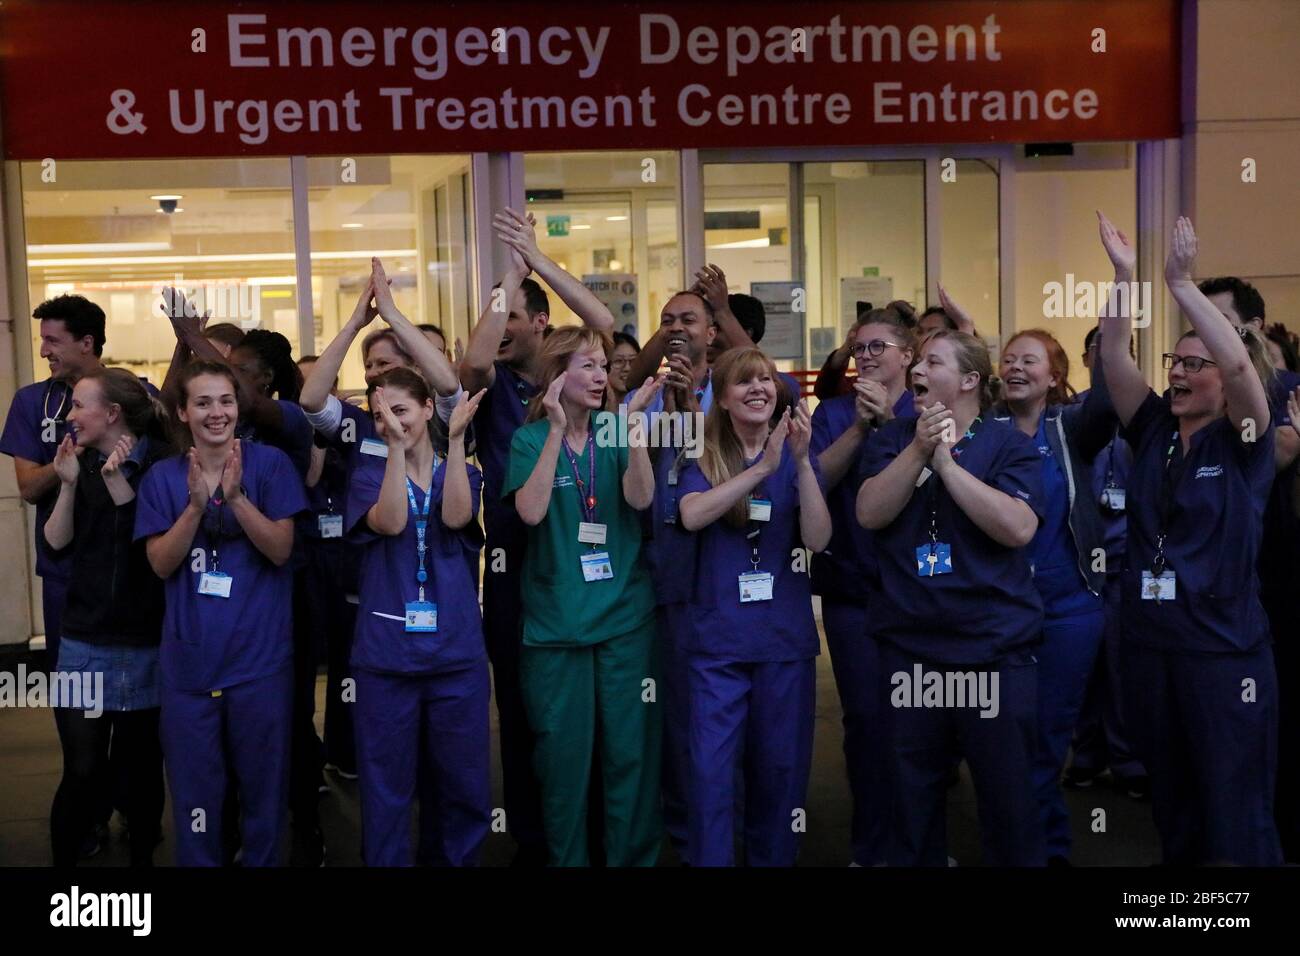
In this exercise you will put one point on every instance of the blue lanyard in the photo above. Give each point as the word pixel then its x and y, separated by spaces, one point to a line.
pixel 586 492
pixel 421 525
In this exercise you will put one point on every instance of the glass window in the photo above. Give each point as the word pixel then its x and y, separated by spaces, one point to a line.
pixel 610 219
pixel 867 235
pixel 117 232
pixel 968 242
pixel 411 211
pixel 1056 237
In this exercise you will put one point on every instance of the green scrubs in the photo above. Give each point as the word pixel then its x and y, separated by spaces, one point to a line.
pixel 588 652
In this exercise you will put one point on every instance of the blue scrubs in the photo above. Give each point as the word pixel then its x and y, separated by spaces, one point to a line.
pixel 838 575
pixel 1072 626
pixel 1189 662
pixel 751 676
pixel 1279 580
pixel 226 662
pixel 1100 737
pixel 37 422
pixel 418 689
pixel 983 617
pixel 500 415
pixel 670 554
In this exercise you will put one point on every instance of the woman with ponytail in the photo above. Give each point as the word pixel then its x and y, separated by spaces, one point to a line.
pixel 1069 435
pixel 113 618
pixel 952 497
pixel 755 500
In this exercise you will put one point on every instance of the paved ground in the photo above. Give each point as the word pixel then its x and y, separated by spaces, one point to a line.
pixel 30 765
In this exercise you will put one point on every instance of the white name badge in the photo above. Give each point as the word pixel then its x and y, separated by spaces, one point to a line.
pixel 331 526
pixel 590 532
pixel 421 616
pixel 755 586
pixel 215 584
pixel 1161 588
pixel 1113 498
pixel 596 566
pixel 373 446
pixel 760 509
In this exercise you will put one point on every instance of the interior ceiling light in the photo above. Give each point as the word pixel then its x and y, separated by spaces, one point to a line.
pixel 616 218
pixel 161 197
pixel 351 225
pixel 48 248
pixel 743 244
pixel 579 226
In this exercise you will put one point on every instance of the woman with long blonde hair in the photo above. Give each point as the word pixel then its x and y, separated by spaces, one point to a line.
pixel 756 501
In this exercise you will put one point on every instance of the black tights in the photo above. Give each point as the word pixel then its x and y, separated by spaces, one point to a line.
pixel 85 742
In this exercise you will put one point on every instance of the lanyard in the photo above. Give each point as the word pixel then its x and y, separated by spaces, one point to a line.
pixel 755 527
pixel 216 538
pixel 932 492
pixel 587 491
pixel 699 392
pixel 421 526
pixel 1165 506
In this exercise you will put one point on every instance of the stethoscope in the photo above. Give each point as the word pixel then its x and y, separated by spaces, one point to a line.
pixel 59 413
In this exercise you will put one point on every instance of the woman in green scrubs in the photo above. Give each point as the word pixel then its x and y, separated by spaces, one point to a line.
pixel 588 633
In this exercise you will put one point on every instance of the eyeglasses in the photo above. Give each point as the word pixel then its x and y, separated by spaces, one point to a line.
pixel 875 348
pixel 1192 363
pixel 615 363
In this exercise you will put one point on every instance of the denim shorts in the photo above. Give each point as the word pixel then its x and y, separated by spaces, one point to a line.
pixel 109 677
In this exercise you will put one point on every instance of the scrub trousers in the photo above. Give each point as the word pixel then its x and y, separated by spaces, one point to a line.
pixel 768 710
pixel 855 660
pixel 446 714
pixel 672 625
pixel 1281 614
pixel 569 693
pixel 503 635
pixel 999 751
pixel 241 735
pixel 1209 743
pixel 1101 737
pixel 1065 662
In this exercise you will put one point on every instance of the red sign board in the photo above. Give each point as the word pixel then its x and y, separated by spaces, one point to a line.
pixel 85 80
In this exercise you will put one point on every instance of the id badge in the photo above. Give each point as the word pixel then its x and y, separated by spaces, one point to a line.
pixel 331 526
pixel 1113 498
pixel 373 446
pixel 215 584
pixel 421 616
pixel 596 566
pixel 591 532
pixel 760 509
pixel 934 558
pixel 755 586
pixel 1162 588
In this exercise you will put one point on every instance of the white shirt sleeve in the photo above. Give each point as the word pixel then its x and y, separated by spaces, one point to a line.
pixel 446 404
pixel 328 419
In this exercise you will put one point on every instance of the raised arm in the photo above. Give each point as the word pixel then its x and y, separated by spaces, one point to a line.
pixel 457 500
pixel 516 231
pixel 166 551
pixel 833 369
pixel 711 282
pixel 58 527
pixel 387 516
pixel 261 409
pixel 814 516
pixel 955 312
pixel 432 363
pixel 639 478
pixel 700 509
pixel 320 383
pixel 534 498
pixel 646 362
pixel 1242 388
pixel 1123 379
pixel 870 407
pixel 273 537
pixel 477 369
